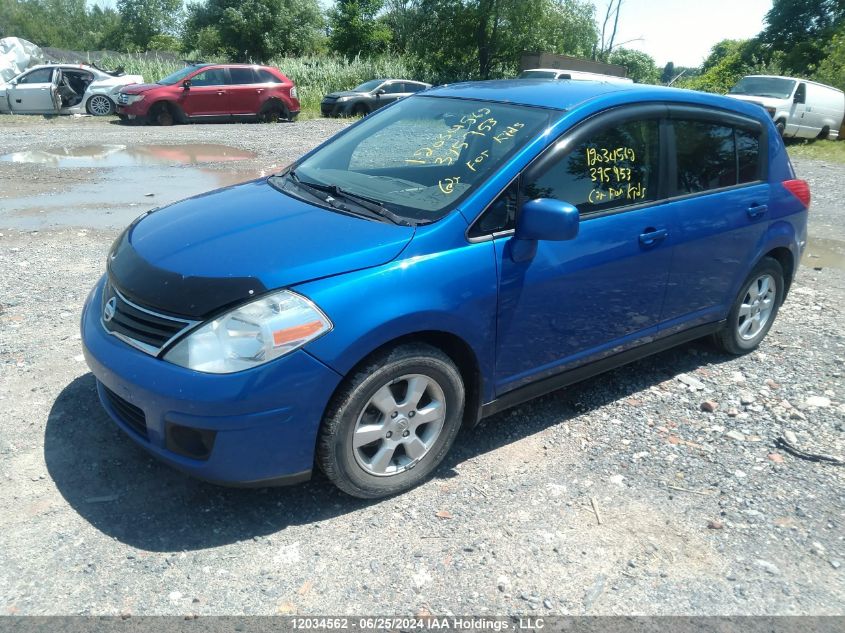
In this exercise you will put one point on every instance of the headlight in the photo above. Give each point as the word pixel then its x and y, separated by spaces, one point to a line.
pixel 347 98
pixel 251 335
pixel 130 99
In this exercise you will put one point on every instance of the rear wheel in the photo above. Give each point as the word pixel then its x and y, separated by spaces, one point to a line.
pixel 754 310
pixel 824 133
pixel 100 105
pixel 272 113
pixel 392 422
pixel 780 124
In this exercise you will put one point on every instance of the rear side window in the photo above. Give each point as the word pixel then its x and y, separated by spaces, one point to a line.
pixel 748 155
pixel 712 156
pixel 616 167
pixel 414 87
pixel 241 76
pixel 394 88
pixel 266 77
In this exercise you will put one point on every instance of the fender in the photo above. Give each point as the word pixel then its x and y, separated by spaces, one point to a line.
pixel 372 307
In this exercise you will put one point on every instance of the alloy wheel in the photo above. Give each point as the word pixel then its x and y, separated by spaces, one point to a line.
pixel 100 105
pixel 399 425
pixel 756 308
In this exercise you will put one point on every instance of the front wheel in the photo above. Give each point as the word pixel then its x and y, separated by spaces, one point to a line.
pixel 392 422
pixel 754 310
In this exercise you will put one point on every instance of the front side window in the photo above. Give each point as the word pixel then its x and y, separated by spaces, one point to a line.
pixel 616 167
pixel 423 155
pixel 395 88
pixel 174 78
pixel 40 76
pixel 211 77
pixel 368 86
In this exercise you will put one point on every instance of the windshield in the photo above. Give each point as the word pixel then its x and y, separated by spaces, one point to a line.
pixel 420 157
pixel 776 87
pixel 178 76
pixel 368 86
pixel 537 74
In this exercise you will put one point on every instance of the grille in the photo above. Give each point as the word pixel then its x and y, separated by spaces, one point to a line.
pixel 131 415
pixel 142 328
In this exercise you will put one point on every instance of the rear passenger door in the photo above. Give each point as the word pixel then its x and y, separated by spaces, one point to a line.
pixel 245 96
pixel 720 198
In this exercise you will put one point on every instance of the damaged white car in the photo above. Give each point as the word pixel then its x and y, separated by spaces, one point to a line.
pixel 64 89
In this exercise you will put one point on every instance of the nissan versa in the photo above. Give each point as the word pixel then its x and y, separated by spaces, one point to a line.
pixel 456 253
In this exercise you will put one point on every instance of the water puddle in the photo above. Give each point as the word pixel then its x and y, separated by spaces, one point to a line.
pixel 127 181
pixel 824 253
pixel 129 156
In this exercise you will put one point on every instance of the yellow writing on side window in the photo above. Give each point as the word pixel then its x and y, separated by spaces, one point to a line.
pixel 630 192
pixel 604 155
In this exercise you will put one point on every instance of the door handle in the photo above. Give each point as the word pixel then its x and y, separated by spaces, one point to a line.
pixel 221 92
pixel 650 236
pixel 259 90
pixel 756 210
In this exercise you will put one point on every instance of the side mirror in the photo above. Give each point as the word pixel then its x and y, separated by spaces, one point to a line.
pixel 186 84
pixel 543 219
pixel 380 92
pixel 798 98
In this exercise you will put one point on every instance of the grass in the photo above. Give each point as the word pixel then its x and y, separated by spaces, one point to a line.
pixel 314 76
pixel 831 151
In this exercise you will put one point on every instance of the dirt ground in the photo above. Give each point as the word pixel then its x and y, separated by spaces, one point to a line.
pixel 617 496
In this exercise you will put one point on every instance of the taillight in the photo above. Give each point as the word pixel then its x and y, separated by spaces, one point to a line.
pixel 293 93
pixel 800 189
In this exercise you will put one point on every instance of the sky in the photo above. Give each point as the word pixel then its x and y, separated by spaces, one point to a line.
pixel 680 31
pixel 684 31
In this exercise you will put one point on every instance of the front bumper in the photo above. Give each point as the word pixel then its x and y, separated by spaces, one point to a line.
pixel 262 422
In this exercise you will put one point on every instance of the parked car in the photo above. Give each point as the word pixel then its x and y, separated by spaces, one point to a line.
pixel 64 89
pixel 212 92
pixel 799 108
pixel 369 96
pixel 453 255
pixel 577 75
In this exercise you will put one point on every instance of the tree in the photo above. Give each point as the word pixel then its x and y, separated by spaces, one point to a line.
pixel 143 19
pixel 463 39
pixel 729 61
pixel 801 29
pixel 641 66
pixel 668 73
pixel 355 29
pixel 831 68
pixel 253 30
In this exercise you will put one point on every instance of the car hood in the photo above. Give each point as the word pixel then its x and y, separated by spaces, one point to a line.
pixel 771 102
pixel 346 93
pixel 217 249
pixel 139 88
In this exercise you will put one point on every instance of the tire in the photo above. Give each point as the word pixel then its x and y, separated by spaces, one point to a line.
pixel 272 113
pixel 780 124
pixel 100 105
pixel 360 110
pixel 823 135
pixel 161 114
pixel 754 309
pixel 371 464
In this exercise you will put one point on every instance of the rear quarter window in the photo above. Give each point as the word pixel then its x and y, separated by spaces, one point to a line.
pixel 266 77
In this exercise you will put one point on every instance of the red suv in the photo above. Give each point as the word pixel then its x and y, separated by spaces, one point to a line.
pixel 205 92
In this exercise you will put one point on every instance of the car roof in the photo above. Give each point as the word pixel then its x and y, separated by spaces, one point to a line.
pixel 565 94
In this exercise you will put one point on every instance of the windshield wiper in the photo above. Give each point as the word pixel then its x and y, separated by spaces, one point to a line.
pixel 373 206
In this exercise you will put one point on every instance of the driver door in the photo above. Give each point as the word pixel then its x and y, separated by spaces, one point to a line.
pixel 601 292
pixel 35 92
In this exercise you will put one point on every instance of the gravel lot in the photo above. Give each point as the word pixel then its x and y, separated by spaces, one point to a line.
pixel 699 512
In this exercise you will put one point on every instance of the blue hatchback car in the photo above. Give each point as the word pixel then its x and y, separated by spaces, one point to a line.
pixel 459 252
